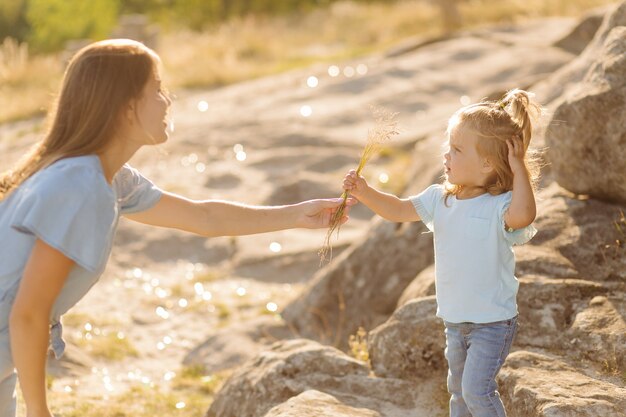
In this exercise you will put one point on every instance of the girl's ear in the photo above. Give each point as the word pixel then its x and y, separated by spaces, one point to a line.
pixel 487 167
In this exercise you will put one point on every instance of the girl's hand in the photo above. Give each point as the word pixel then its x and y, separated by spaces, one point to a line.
pixel 516 155
pixel 354 184
pixel 319 213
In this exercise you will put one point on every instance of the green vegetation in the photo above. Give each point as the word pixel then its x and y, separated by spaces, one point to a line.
pixel 139 401
pixel 358 345
pixel 109 346
pixel 190 394
pixel 208 43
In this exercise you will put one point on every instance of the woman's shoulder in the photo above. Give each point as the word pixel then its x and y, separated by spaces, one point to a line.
pixel 70 176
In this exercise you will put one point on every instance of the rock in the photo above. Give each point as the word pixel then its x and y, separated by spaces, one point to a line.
pixel 292 190
pixel 234 345
pixel 599 333
pixel 423 285
pixel 558 87
pixel 314 403
pixel 361 287
pixel 579 37
pixel 410 345
pixel 537 385
pixel 586 138
pixel 547 307
pixel 541 260
pixel 291 367
pixel 578 235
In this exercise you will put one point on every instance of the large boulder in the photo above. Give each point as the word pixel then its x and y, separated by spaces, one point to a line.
pixel 361 287
pixel 598 333
pixel 586 138
pixel 292 367
pixel 538 385
pixel 579 37
pixel 422 286
pixel 577 238
pixel 411 343
pixel 547 307
pixel 314 403
pixel 232 346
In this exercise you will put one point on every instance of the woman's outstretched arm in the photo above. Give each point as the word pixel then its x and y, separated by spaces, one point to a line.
pixel 223 218
pixel 29 325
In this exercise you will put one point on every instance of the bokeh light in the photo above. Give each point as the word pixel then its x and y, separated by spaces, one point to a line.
pixel 306 111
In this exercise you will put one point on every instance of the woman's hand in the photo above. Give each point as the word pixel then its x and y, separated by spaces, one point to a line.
pixel 354 184
pixel 319 213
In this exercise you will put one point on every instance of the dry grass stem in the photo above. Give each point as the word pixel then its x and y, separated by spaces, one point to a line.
pixel 385 127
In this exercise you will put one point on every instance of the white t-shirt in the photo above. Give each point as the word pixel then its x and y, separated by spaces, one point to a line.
pixel 474 259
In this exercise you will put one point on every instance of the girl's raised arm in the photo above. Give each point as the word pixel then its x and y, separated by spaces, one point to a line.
pixel 45 274
pixel 522 210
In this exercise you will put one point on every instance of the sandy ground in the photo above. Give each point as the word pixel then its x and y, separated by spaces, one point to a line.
pixel 275 140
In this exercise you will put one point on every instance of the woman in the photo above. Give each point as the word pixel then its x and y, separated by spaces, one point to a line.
pixel 59 206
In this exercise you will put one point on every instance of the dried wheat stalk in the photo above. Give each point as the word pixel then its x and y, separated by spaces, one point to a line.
pixel 385 127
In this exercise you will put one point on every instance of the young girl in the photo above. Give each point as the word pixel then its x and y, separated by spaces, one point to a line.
pixel 60 205
pixel 485 205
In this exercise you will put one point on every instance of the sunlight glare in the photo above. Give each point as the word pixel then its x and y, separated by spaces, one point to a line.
pixel 333 70
pixel 203 106
pixel 306 111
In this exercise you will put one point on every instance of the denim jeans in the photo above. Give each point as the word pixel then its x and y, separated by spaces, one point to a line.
pixel 8 377
pixel 475 354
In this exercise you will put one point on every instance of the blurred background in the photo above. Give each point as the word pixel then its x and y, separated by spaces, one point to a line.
pixel 208 43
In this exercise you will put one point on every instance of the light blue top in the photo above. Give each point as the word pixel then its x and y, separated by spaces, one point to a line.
pixel 474 259
pixel 70 206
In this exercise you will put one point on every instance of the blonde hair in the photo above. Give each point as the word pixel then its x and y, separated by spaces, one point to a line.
pixel 100 80
pixel 495 122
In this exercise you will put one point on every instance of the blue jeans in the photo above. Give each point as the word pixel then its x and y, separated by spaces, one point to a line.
pixel 475 354
pixel 7 377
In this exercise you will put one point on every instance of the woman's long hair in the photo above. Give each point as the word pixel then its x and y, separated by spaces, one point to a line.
pixel 99 82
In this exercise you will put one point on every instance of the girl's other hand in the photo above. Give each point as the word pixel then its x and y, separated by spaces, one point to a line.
pixel 354 184
pixel 317 214
pixel 516 155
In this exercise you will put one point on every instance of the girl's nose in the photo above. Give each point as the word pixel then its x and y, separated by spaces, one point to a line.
pixel 446 156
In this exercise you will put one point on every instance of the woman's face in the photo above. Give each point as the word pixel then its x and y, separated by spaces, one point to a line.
pixel 150 113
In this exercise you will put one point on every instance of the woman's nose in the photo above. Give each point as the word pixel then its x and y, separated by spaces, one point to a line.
pixel 446 156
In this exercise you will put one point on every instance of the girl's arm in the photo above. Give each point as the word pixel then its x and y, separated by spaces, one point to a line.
pixel 522 210
pixel 29 323
pixel 385 205
pixel 222 218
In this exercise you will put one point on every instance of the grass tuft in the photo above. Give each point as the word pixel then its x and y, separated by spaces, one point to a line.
pixel 385 127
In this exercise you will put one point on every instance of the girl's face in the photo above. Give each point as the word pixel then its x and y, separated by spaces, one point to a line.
pixel 463 165
pixel 150 114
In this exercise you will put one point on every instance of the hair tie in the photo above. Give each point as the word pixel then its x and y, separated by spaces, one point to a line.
pixel 501 104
